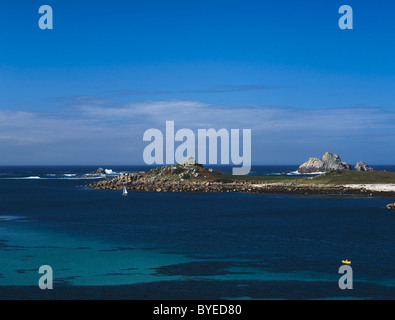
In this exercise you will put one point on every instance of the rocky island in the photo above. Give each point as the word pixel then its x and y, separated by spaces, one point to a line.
pixel 194 177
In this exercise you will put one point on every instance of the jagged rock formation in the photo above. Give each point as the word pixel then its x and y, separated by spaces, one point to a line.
pixel 329 162
pixel 362 166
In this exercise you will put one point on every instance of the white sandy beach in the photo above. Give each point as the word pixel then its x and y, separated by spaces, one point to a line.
pixel 372 187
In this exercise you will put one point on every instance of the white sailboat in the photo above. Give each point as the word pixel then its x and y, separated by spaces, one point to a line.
pixel 125 192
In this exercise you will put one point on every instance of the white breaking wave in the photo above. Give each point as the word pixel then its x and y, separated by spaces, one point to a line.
pixel 51 178
pixel 298 173
pixel 319 172
pixel 8 218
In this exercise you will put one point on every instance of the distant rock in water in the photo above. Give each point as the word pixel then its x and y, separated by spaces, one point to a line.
pixel 362 166
pixel 391 206
pixel 329 162
pixel 99 171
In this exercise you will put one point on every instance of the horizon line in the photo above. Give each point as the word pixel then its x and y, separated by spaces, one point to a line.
pixel 147 165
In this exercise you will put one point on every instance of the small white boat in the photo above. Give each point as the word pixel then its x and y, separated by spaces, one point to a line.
pixel 125 192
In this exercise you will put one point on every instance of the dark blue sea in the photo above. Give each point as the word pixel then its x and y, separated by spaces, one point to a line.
pixel 148 245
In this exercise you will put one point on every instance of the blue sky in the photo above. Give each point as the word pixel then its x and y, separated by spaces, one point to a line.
pixel 85 92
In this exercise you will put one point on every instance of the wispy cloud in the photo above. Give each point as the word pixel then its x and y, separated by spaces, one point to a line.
pixel 133 92
pixel 217 89
pixel 95 129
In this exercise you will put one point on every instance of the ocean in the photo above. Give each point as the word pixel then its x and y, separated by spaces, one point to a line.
pixel 101 245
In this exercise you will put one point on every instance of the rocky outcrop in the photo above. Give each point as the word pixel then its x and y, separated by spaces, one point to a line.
pixel 329 162
pixel 362 166
pixel 391 206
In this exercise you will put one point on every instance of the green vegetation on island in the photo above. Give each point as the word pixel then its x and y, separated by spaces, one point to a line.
pixel 340 177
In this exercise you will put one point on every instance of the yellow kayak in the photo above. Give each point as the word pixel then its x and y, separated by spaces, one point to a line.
pixel 346 261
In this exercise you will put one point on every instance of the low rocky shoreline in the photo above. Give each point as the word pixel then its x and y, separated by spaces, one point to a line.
pixel 246 187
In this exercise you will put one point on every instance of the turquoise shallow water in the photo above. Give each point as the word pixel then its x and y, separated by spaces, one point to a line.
pixel 187 246
pixel 77 261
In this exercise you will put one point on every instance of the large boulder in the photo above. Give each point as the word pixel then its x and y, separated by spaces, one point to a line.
pixel 362 166
pixel 329 162
pixel 190 161
pixel 391 206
